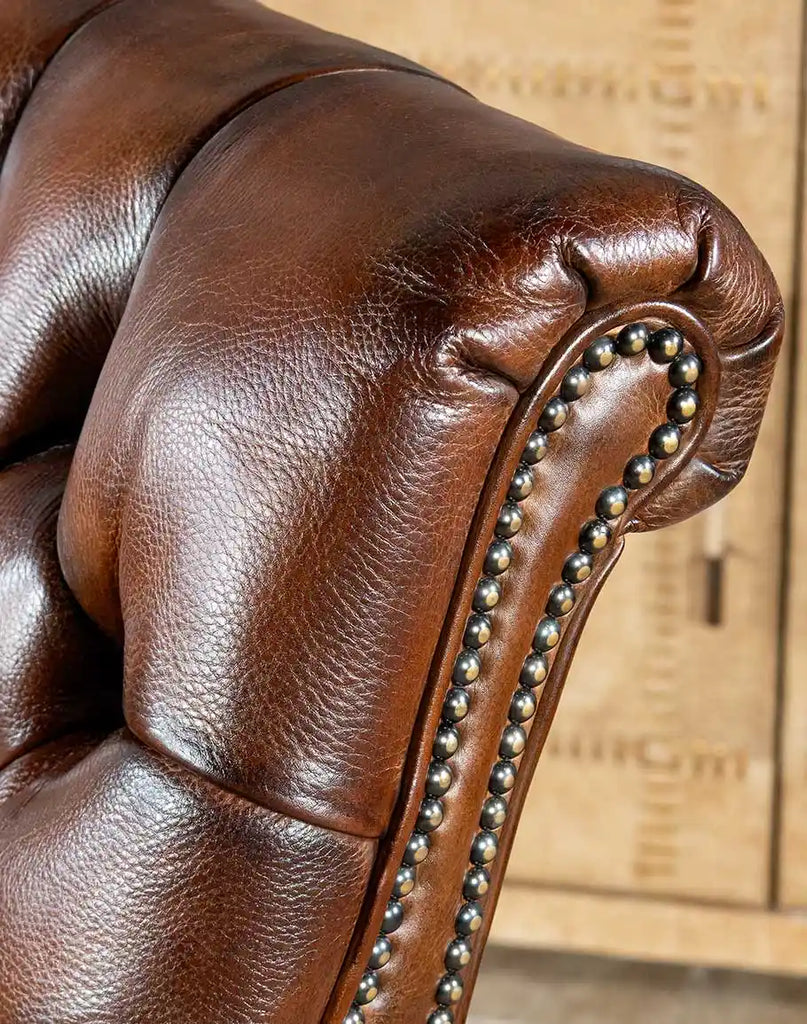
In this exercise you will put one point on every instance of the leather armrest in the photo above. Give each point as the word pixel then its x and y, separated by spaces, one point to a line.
pixel 322 327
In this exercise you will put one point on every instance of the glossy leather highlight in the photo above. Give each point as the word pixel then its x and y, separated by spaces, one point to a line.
pixel 293 302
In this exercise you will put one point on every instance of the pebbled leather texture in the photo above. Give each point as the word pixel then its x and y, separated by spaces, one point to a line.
pixel 276 310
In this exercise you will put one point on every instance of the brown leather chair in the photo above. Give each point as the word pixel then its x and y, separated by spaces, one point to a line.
pixel 327 396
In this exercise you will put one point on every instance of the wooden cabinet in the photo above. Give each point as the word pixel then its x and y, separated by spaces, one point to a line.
pixel 792 879
pixel 668 817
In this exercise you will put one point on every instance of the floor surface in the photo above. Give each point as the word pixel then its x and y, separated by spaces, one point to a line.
pixel 547 988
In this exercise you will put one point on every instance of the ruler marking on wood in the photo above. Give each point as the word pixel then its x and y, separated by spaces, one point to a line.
pixel 665 758
pixel 656 851
pixel 682 68
pixel 646 870
pixel 659 828
pixel 676 23
pixel 674 45
pixel 673 67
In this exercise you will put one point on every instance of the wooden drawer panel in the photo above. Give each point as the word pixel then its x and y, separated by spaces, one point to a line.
pixel 792 878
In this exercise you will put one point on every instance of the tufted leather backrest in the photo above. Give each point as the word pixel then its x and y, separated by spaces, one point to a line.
pixel 278 314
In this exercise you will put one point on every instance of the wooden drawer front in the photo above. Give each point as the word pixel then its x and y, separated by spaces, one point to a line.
pixel 792 887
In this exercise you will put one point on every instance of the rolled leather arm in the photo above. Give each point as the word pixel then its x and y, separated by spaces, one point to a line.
pixel 368 381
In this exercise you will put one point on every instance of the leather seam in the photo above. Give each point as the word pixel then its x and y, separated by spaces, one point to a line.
pixel 201 777
pixel 42 745
pixel 220 124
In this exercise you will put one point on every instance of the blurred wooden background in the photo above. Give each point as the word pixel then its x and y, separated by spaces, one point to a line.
pixel 668 817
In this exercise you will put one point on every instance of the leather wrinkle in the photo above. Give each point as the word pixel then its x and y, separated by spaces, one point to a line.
pixel 218 786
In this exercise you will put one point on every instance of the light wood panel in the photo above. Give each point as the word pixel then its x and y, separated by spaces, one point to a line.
pixel 793 846
pixel 649 929
pixel 659 777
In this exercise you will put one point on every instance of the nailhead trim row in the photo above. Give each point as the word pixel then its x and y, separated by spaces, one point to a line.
pixel 664 346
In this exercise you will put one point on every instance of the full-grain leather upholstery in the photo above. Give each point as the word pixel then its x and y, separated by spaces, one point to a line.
pixel 274 306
